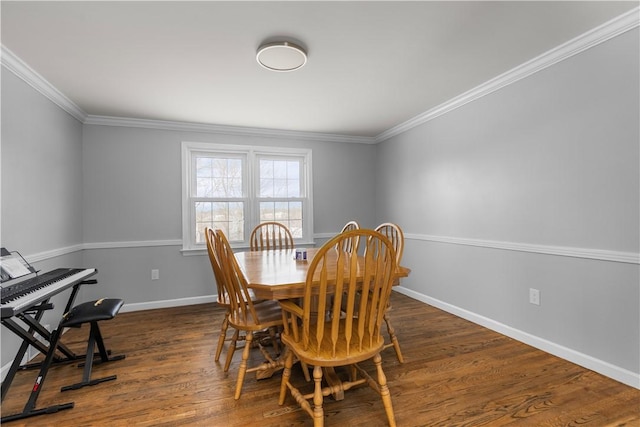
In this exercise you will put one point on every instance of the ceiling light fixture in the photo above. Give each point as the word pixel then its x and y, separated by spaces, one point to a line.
pixel 281 56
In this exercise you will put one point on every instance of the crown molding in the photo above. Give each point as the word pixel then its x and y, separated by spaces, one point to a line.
pixel 20 68
pixel 226 130
pixel 604 32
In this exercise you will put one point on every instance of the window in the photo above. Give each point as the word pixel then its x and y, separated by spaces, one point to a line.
pixel 234 188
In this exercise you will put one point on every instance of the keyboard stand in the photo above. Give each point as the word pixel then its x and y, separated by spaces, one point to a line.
pixel 28 337
pixel 29 409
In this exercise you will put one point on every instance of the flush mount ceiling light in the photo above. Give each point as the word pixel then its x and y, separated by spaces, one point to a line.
pixel 281 56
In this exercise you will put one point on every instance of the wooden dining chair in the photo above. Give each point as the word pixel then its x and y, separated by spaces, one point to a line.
pixel 340 338
pixel 394 233
pixel 271 235
pixel 243 314
pixel 223 300
pixel 223 297
pixel 348 244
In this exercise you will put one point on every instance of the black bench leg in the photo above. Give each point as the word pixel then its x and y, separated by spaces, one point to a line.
pixel 95 338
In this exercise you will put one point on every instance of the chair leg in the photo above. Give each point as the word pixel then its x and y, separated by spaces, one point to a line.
pixel 88 360
pixel 95 339
pixel 243 364
pixel 318 412
pixel 353 373
pixel 273 334
pixel 394 338
pixel 384 390
pixel 286 374
pixel 305 371
pixel 222 338
pixel 102 350
pixel 232 349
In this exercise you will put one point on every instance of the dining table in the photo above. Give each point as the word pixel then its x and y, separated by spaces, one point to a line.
pixel 278 275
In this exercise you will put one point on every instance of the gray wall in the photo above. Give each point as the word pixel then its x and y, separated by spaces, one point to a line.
pixel 132 194
pixel 549 162
pixel 41 168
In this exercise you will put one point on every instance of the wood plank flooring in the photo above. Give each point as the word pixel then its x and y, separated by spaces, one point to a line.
pixel 456 374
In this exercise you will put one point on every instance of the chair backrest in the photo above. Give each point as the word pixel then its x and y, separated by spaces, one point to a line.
pixel 394 233
pixel 359 287
pixel 215 265
pixel 346 245
pixel 242 310
pixel 271 235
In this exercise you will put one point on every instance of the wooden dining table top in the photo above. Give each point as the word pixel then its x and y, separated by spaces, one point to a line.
pixel 275 274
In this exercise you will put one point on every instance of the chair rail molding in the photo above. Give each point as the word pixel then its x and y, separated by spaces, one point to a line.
pixel 45 255
pixel 596 254
pixel 132 244
pixel 588 253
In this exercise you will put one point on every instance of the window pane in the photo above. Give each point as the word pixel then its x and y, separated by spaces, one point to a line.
pixel 281 211
pixel 293 171
pixel 280 169
pixel 295 210
pixel 280 188
pixel 267 211
pixel 236 221
pixel 280 178
pixel 234 187
pixel 287 213
pixel 266 187
pixel 218 177
pixel 295 227
pixel 227 216
pixel 203 212
pixel 266 168
pixel 204 166
pixel 293 188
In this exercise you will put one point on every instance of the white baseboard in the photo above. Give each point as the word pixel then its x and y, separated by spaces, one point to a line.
pixel 138 306
pixel 607 369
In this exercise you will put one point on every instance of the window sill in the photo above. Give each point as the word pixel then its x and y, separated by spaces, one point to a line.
pixel 238 248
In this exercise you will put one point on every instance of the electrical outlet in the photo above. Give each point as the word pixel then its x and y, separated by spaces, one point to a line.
pixel 155 274
pixel 534 296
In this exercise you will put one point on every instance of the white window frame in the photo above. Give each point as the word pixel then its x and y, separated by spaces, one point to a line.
pixel 252 214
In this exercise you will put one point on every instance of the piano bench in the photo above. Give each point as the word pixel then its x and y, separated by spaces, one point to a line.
pixel 92 312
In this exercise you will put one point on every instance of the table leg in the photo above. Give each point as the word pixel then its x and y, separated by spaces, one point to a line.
pixel 332 379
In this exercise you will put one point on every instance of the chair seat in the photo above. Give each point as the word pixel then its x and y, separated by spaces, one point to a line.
pixel 268 312
pixel 92 311
pixel 324 355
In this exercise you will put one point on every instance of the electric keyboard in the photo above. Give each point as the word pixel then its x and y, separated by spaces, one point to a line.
pixel 21 296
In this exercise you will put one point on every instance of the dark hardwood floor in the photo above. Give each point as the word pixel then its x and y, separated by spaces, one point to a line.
pixel 456 374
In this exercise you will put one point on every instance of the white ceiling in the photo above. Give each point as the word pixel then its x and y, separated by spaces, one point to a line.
pixel 372 65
